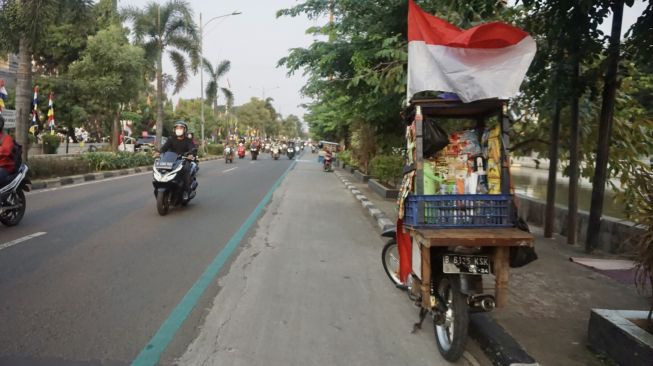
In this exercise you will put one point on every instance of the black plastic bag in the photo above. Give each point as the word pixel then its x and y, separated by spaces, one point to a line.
pixel 521 256
pixel 435 138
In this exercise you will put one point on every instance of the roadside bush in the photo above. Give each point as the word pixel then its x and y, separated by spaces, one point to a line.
pixel 345 157
pixel 387 168
pixel 50 143
pixel 215 149
pixel 43 168
pixel 98 161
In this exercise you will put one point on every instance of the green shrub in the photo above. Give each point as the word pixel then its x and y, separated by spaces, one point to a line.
pixel 50 143
pixel 43 168
pixel 98 161
pixel 387 168
pixel 345 157
pixel 215 149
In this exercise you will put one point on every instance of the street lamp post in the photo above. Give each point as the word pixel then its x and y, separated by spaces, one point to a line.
pixel 202 25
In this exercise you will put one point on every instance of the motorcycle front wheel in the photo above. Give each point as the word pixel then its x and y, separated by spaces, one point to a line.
pixel 162 202
pixel 451 332
pixel 13 216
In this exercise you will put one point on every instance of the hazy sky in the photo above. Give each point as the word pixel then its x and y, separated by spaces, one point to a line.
pixel 255 40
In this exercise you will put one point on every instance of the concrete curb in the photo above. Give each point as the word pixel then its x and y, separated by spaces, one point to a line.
pixel 496 343
pixel 76 179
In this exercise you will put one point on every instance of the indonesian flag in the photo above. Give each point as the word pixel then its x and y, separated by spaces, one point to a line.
pixel 487 61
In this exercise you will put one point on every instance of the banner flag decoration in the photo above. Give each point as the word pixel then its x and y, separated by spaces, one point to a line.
pixel 3 95
pixel 35 106
pixel 51 111
pixel 489 60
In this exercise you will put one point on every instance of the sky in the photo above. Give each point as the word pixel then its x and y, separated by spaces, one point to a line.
pixel 255 40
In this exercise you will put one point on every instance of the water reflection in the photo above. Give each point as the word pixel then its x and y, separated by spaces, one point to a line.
pixel 532 183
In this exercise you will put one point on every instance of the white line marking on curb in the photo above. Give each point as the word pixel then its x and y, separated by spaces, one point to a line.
pixel 228 170
pixel 20 240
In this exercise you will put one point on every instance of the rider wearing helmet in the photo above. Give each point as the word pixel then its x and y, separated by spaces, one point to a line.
pixel 7 165
pixel 181 145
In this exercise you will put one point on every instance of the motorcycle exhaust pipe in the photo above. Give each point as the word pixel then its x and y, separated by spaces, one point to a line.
pixel 482 303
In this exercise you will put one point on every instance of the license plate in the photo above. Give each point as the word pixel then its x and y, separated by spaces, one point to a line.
pixel 472 264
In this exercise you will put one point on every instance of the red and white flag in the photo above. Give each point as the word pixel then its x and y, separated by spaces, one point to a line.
pixel 487 61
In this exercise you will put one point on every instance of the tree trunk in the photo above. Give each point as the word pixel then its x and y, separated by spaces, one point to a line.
pixel 23 89
pixel 549 219
pixel 159 101
pixel 572 213
pixel 605 128
pixel 115 131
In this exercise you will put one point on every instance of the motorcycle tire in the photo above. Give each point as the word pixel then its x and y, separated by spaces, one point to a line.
pixel 162 203
pixel 13 217
pixel 390 259
pixel 451 337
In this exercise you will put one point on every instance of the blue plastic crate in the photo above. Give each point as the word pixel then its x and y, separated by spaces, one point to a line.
pixel 459 211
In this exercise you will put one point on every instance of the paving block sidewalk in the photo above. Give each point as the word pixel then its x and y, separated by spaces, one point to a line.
pixel 550 299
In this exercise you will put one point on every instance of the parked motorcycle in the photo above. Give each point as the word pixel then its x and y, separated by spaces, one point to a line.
pixel 228 154
pixel 457 278
pixel 12 197
pixel 290 152
pixel 168 182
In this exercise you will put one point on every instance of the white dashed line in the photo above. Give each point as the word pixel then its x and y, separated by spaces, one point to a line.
pixel 20 240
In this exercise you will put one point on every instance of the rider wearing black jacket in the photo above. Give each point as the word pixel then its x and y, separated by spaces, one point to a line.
pixel 181 145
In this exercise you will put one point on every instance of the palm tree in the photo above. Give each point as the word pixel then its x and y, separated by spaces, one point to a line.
pixel 215 73
pixel 169 27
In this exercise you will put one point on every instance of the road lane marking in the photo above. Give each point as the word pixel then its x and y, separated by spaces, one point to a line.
pixel 228 170
pixel 151 353
pixel 20 240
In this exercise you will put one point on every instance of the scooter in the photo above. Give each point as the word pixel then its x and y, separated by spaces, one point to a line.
pixel 228 155
pixel 168 182
pixel 241 151
pixel 254 152
pixel 328 166
pixel 12 197
pixel 275 152
pixel 290 152
pixel 455 290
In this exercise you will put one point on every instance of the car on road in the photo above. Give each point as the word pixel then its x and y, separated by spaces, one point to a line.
pixel 147 143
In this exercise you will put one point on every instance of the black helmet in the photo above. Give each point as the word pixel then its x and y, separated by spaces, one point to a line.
pixel 2 123
pixel 181 123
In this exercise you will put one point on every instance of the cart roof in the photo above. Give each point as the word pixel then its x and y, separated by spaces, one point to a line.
pixel 442 108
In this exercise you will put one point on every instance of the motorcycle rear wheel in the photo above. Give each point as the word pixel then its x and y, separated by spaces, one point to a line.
pixel 13 217
pixel 162 203
pixel 451 336
pixel 390 259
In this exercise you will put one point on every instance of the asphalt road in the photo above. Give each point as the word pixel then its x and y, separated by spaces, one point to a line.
pixel 107 270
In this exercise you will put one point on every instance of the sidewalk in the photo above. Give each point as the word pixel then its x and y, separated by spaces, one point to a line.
pixel 550 299
pixel 308 288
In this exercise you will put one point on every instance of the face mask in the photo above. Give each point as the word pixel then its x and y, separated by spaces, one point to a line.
pixel 179 132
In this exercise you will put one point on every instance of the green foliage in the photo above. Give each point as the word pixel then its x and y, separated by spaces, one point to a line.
pixel 43 168
pixel 215 149
pixel 254 114
pixel 346 157
pixel 50 143
pixel 387 168
pixel 98 161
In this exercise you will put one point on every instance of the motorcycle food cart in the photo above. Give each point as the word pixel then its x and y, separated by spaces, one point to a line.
pixel 459 216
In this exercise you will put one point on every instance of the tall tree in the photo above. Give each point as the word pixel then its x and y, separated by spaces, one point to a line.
pixel 111 65
pixel 213 86
pixel 26 24
pixel 170 29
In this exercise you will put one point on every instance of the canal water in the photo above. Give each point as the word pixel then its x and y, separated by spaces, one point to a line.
pixel 532 183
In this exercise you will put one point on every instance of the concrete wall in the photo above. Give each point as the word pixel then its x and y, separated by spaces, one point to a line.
pixel 614 234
